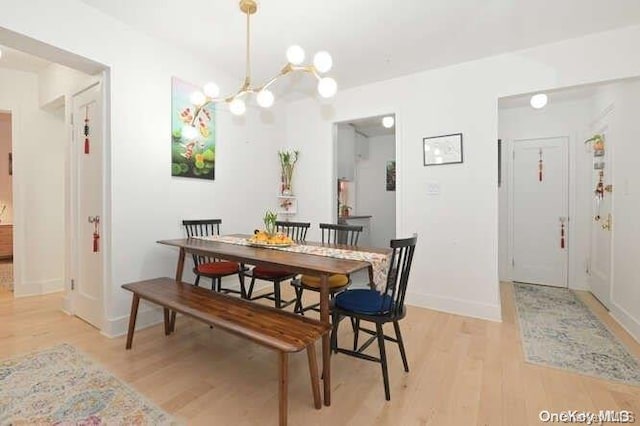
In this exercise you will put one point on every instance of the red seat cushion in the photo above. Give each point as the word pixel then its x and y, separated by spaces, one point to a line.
pixel 218 268
pixel 265 271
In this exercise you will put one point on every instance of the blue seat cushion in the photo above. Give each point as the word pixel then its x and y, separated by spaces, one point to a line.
pixel 363 301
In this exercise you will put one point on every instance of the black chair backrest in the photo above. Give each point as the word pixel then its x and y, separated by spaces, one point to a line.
pixel 202 228
pixel 297 231
pixel 399 269
pixel 340 234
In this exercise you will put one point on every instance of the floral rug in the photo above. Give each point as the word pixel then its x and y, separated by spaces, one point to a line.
pixel 61 386
pixel 558 330
pixel 6 274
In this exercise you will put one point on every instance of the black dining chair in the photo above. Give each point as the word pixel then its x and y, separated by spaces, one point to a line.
pixel 297 231
pixel 209 267
pixel 331 234
pixel 379 308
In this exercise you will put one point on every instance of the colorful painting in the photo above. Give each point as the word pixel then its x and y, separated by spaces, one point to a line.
pixel 391 175
pixel 193 153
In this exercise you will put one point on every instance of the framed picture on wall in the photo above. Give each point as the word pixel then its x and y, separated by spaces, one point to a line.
pixel 445 149
pixel 391 175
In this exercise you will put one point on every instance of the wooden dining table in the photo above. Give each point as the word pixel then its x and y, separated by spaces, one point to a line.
pixel 298 263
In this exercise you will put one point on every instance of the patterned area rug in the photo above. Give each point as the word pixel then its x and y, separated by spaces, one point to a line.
pixel 558 330
pixel 6 274
pixel 62 386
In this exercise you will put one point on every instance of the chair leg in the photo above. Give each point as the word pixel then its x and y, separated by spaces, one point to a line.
pixel 197 283
pixel 250 292
pixel 355 324
pixel 276 294
pixel 297 308
pixel 243 291
pixel 383 361
pixel 403 354
pixel 335 322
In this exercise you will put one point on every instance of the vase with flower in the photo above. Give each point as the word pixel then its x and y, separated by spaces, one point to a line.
pixel 288 160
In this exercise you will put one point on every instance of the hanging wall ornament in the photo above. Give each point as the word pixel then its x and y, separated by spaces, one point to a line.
pixel 562 243
pixel 86 130
pixel 540 166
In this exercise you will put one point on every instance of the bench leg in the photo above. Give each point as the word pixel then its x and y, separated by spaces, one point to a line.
pixel 132 319
pixel 283 387
pixel 172 322
pixel 313 371
pixel 167 325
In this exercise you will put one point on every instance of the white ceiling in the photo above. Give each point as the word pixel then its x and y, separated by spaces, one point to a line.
pixel 369 40
pixel 17 60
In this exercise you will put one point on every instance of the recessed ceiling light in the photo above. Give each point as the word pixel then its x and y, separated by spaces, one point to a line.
pixel 539 101
pixel 388 121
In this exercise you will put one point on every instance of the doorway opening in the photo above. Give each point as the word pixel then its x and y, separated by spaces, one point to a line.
pixel 49 164
pixel 6 202
pixel 365 177
pixel 561 184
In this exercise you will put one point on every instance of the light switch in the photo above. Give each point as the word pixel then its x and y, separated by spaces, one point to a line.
pixel 433 188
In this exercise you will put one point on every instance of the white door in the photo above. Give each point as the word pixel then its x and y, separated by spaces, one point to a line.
pixel 87 196
pixel 601 224
pixel 539 195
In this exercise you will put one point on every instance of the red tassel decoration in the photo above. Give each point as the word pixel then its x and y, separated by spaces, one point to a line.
pixel 540 167
pixel 86 131
pixel 562 235
pixel 96 240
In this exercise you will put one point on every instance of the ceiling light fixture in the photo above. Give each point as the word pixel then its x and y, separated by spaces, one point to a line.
pixel 388 122
pixel 322 63
pixel 539 101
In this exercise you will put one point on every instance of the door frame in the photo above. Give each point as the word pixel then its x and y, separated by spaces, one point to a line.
pixel 73 199
pixel 510 202
pixel 16 195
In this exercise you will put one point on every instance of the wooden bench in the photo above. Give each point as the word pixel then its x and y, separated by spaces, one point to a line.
pixel 279 330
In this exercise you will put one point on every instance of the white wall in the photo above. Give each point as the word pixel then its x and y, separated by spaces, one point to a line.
pixel 144 203
pixel 456 263
pixel 373 197
pixel 569 119
pixel 38 172
pixel 6 180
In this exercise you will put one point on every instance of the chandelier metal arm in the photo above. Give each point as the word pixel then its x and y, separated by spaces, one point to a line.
pixel 249 7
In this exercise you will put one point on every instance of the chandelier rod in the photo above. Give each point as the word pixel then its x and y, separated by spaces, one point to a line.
pixel 247 80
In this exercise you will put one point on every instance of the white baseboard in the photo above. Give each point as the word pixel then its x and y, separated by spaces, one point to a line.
pixel 38 288
pixel 455 306
pixel 626 321
pixel 148 315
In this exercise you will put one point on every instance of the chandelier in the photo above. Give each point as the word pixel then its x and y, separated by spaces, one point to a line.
pixel 322 63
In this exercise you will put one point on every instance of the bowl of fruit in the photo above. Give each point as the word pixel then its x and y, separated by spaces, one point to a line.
pixel 269 237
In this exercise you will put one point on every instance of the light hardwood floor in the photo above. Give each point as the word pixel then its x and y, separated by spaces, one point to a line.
pixel 464 371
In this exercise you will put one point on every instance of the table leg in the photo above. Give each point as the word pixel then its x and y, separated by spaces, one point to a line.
pixel 132 319
pixel 180 267
pixel 326 347
pixel 179 273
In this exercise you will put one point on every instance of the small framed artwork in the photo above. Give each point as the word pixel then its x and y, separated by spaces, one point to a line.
pixel 391 175
pixel 445 149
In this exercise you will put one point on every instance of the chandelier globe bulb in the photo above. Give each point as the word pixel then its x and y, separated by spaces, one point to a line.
pixel 189 132
pixel 295 55
pixel 237 106
pixel 322 61
pixel 198 98
pixel 211 89
pixel 265 98
pixel 327 87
